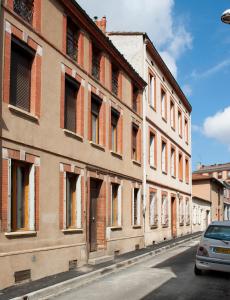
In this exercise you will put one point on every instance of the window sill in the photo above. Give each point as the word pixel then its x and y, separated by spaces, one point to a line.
pixel 163 172
pixel 118 155
pixel 173 176
pixel 173 128
pixel 16 234
pixel 153 167
pixel 135 162
pixel 152 107
pixel 181 224
pixel 73 134
pixel 23 113
pixel 115 228
pixel 180 136
pixel 153 226
pixel 72 230
pixel 137 226
pixel 100 147
pixel 165 225
pixel 187 224
pixel 164 119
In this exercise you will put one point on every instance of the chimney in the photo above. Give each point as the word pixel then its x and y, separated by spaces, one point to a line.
pixel 101 23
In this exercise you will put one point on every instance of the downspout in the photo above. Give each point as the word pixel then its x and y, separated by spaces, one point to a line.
pixel 144 139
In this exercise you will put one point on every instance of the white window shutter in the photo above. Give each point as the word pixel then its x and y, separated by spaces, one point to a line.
pixel 119 205
pixel 9 197
pixel 78 201
pixel 152 207
pixel 32 198
pixel 132 206
pixel 139 207
pixel 64 201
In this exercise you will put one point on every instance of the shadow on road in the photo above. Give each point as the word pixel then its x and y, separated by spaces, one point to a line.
pixel 187 286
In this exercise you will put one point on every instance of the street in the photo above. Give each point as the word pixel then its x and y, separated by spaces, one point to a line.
pixel 166 276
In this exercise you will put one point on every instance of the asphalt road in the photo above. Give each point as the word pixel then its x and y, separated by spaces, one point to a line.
pixel 164 277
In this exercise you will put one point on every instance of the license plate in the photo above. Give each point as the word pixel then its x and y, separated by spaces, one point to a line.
pixel 222 250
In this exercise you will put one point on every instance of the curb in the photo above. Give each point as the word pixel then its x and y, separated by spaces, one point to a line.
pixel 59 288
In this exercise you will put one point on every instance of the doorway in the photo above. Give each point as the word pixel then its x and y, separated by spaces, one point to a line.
pixel 173 217
pixel 95 187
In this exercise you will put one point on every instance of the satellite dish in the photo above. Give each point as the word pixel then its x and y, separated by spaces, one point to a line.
pixel 225 18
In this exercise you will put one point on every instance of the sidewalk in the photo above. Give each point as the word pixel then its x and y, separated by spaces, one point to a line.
pixel 56 283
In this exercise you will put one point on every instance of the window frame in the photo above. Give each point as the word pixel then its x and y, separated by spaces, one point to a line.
pixel 152 89
pixel 180 166
pixel 180 122
pixel 173 163
pixel 164 104
pixel 172 118
pixel 117 222
pixel 136 209
pixel 153 215
pixel 153 152
pixel 164 156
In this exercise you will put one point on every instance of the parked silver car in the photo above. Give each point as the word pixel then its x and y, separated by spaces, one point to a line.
pixel 213 252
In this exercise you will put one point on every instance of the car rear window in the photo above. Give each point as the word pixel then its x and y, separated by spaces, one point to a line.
pixel 218 232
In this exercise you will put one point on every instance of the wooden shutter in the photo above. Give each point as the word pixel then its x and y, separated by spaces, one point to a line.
pixel 20 75
pixel 70 104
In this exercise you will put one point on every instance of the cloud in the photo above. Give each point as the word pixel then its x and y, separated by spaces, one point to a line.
pixel 187 90
pixel 218 127
pixel 213 70
pixel 154 17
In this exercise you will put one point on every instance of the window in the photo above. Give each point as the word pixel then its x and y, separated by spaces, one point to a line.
pixel 136 207
pixel 163 105
pixel 115 75
pixel 134 141
pixel 95 128
pixel 71 89
pixel 164 157
pixel 135 98
pixel 172 114
pixel 181 209
pixel 180 167
pixel 180 123
pixel 114 130
pixel 228 174
pixel 194 215
pixel 173 162
pixel 72 40
pixel 152 90
pixel 20 74
pixel 153 216
pixel 164 210
pixel 186 130
pixel 72 201
pixel 187 170
pixel 220 175
pixel 22 196
pixel 24 8
pixel 96 60
pixel 152 149
pixel 187 210
pixel 115 204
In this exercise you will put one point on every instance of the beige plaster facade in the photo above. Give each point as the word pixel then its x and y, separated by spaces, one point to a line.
pixel 47 246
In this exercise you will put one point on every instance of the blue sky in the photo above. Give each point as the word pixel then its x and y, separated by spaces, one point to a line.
pixel 196 47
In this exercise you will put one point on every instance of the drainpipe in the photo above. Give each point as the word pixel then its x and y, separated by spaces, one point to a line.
pixel 144 139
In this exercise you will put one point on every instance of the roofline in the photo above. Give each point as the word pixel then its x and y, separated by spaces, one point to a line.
pixel 103 40
pixel 209 179
pixel 161 63
pixel 212 169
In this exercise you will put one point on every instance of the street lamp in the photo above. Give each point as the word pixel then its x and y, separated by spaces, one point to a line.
pixel 225 18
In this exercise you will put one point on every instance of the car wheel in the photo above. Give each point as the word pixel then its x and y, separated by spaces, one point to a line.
pixel 197 271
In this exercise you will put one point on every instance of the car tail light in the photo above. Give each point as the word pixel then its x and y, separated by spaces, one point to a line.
pixel 202 251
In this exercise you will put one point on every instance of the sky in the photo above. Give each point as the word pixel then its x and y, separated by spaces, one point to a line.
pixel 195 45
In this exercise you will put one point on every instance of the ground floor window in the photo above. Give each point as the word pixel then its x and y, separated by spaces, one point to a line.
pixel 153 216
pixel 136 207
pixel 72 211
pixel 21 191
pixel 115 204
pixel 164 209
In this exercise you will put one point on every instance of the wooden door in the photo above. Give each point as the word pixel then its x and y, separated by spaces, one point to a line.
pixel 173 217
pixel 94 193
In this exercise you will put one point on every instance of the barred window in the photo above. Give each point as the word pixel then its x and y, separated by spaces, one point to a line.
pixel 20 74
pixel 25 9
pixel 72 40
